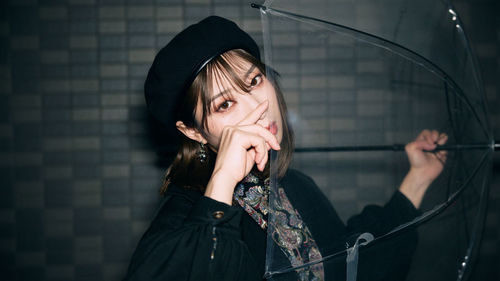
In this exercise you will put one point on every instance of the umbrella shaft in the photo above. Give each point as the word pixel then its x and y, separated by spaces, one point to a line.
pixel 395 147
pixel 172 150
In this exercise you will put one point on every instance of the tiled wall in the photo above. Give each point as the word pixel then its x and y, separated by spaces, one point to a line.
pixel 79 175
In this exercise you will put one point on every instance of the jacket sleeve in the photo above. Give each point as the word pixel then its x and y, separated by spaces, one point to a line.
pixel 379 220
pixel 193 240
pixel 388 259
pixel 375 219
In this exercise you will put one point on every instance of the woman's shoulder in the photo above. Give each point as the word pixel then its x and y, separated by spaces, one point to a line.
pixel 178 193
pixel 295 181
pixel 174 207
pixel 301 187
pixel 296 176
pixel 190 208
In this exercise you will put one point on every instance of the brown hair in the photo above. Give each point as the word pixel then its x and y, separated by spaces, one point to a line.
pixel 186 163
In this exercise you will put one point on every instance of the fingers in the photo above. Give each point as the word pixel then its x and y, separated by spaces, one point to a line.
pixel 258 153
pixel 258 141
pixel 423 142
pixel 258 158
pixel 427 141
pixel 442 139
pixel 249 123
pixel 434 136
pixel 423 135
pixel 255 115
pixel 428 136
pixel 252 140
pixel 264 133
pixel 441 155
pixel 257 149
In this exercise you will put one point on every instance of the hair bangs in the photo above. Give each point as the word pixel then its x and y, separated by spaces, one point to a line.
pixel 231 68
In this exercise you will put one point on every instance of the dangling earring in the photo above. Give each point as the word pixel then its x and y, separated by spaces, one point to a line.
pixel 202 153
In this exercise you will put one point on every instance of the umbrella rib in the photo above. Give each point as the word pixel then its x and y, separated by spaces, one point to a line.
pixel 429 65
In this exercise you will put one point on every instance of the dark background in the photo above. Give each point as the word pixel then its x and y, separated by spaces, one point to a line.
pixel 79 175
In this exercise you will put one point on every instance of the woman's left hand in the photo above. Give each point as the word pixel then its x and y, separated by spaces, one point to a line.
pixel 425 166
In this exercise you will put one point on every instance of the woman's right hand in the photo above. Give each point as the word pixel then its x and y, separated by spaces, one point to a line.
pixel 241 147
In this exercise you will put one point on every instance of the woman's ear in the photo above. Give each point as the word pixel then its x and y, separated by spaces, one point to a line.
pixel 189 132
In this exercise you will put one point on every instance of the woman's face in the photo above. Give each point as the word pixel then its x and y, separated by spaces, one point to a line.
pixel 230 105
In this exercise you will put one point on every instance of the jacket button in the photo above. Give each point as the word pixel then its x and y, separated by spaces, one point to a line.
pixel 218 214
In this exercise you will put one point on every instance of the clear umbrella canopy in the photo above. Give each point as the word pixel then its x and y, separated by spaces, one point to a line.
pixel 361 79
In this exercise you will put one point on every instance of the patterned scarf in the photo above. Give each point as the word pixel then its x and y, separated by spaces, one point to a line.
pixel 290 233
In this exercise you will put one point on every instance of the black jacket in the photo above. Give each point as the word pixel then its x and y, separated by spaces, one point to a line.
pixel 193 237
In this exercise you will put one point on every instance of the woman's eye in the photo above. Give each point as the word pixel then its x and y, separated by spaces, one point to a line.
pixel 224 106
pixel 256 80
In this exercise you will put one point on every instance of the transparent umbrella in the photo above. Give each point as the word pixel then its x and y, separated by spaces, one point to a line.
pixel 361 79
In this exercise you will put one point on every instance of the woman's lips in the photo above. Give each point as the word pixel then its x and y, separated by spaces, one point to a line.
pixel 273 128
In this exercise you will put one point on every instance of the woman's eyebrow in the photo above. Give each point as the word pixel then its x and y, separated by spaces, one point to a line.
pixel 225 92
pixel 249 71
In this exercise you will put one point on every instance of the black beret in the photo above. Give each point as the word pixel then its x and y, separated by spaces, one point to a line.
pixel 176 65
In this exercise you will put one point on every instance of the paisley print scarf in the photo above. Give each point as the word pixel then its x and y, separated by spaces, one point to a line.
pixel 290 233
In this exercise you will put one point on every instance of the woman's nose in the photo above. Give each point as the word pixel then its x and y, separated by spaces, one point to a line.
pixel 252 103
pixel 264 120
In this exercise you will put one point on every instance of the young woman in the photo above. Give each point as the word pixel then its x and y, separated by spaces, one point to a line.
pixel 210 85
